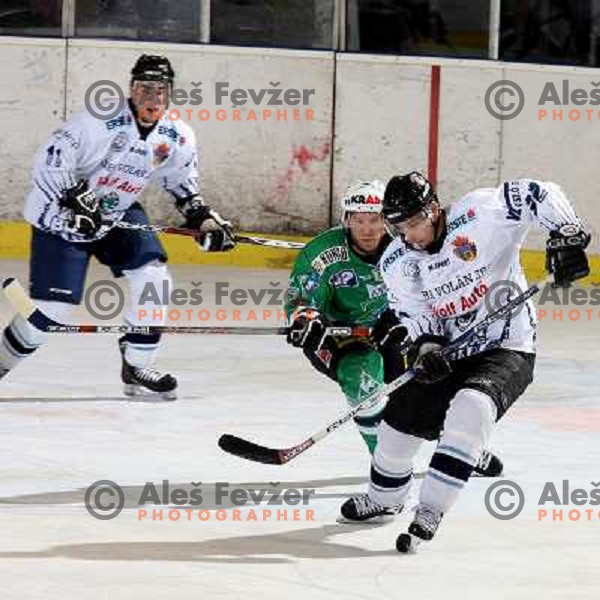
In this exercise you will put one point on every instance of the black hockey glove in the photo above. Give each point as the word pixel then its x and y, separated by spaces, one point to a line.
pixel 84 217
pixel 565 255
pixel 215 234
pixel 426 359
pixel 387 331
pixel 307 329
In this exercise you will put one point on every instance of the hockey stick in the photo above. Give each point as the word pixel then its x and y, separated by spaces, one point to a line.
pixel 244 239
pixel 279 456
pixel 24 305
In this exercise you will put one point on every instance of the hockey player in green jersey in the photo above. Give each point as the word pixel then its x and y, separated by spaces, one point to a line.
pixel 336 281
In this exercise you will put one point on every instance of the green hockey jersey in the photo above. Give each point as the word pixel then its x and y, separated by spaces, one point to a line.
pixel 330 276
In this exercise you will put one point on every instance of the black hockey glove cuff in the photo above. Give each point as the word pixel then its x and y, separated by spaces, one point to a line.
pixel 388 331
pixel 84 214
pixel 427 360
pixel 307 329
pixel 215 234
pixel 565 255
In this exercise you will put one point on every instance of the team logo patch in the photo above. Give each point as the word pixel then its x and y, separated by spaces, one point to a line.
pixel 119 143
pixel 464 248
pixel 161 153
pixel 410 269
pixel 367 384
pixel 375 291
pixel 344 279
pixel 109 203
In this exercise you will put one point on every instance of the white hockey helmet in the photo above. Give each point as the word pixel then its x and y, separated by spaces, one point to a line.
pixel 362 197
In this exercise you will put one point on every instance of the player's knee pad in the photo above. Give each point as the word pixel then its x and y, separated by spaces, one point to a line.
pixel 147 285
pixel 469 423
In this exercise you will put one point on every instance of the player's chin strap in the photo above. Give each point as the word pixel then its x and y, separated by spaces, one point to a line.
pixel 240 239
pixel 279 456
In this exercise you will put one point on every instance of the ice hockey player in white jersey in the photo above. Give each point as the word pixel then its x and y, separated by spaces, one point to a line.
pixel 88 176
pixel 438 271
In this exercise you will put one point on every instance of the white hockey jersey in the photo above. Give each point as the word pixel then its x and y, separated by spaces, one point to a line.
pixel 444 293
pixel 116 161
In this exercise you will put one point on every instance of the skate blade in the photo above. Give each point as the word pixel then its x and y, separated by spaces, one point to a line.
pixel 137 391
pixel 407 543
pixel 382 519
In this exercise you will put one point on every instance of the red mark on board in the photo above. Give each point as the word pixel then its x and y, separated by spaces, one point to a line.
pixel 301 159
pixel 303 155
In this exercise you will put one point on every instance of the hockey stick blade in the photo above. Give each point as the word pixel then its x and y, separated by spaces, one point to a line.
pixel 261 454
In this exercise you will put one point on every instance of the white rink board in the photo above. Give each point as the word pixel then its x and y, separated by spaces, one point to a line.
pixel 470 144
pixel 32 101
pixel 382 118
pixel 64 425
pixel 279 176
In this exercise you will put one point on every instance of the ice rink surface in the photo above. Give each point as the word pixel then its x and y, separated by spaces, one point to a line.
pixel 64 424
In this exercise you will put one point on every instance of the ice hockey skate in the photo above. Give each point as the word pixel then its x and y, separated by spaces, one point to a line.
pixel 361 509
pixel 146 382
pixel 422 529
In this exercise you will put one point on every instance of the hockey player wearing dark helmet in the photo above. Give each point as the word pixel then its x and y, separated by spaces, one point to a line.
pixel 412 211
pixel 152 80
pixel 94 172
pixel 438 270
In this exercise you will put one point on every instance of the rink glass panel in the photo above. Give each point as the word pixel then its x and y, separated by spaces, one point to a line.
pixel 541 31
pixel 550 31
pixel 417 27
pixel 40 18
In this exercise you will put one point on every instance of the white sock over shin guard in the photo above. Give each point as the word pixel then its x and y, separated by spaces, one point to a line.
pixel 392 465
pixel 148 281
pixel 467 428
pixel 20 339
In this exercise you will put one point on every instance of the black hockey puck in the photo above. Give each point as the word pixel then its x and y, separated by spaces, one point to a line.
pixel 404 543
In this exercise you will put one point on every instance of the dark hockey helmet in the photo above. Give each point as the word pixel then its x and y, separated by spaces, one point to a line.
pixel 405 196
pixel 150 67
